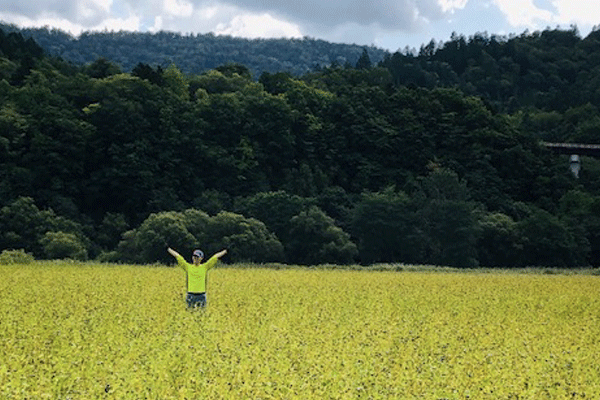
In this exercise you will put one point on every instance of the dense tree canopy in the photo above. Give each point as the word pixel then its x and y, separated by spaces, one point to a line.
pixel 196 53
pixel 432 158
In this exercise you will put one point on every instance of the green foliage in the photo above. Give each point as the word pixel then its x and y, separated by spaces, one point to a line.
pixel 450 229
pixel 448 220
pixel 498 245
pixel 443 185
pixel 101 68
pixel 233 69
pixel 277 83
pixel 214 82
pixel 274 209
pixel 213 201
pixel 246 239
pixel 546 70
pixel 62 245
pixel 7 69
pixel 338 204
pixel 10 257
pixel 364 62
pixel 22 224
pixel 436 225
pixel 308 234
pixel 580 211
pixel 175 81
pixel 195 54
pixel 110 230
pixel 18 54
pixel 148 243
pixel 123 162
pixel 548 242
pixel 385 225
pixel 314 239
pixel 144 71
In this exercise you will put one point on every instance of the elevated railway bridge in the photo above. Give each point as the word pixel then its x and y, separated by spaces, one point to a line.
pixel 574 150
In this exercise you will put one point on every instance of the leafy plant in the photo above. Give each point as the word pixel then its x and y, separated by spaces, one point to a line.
pixel 61 245
pixel 8 257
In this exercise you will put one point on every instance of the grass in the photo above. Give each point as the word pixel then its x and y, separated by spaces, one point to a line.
pixel 91 331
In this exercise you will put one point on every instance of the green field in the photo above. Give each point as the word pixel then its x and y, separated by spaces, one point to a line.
pixel 85 331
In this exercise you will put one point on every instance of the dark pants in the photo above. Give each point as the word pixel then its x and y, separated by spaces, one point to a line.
pixel 196 300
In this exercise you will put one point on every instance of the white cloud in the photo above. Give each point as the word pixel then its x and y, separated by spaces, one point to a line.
pixel 452 5
pixel 158 24
pixel 118 24
pixel 524 13
pixel 541 14
pixel 89 9
pixel 578 12
pixel 41 21
pixel 389 14
pixel 208 12
pixel 111 24
pixel 329 19
pixel 258 26
pixel 178 8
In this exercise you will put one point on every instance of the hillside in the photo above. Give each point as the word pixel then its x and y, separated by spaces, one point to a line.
pixel 553 70
pixel 194 54
pixel 344 164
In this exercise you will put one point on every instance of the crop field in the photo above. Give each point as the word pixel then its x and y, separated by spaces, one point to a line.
pixel 90 331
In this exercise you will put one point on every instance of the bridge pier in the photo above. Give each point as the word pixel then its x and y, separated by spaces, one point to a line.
pixel 575 150
pixel 575 164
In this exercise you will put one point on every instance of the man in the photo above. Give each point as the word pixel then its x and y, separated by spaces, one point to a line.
pixel 196 275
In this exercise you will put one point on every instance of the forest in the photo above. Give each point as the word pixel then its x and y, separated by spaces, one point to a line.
pixel 435 157
pixel 195 53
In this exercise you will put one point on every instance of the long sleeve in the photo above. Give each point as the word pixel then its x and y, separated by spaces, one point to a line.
pixel 211 262
pixel 181 262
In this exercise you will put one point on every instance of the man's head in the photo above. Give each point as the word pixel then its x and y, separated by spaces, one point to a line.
pixel 197 256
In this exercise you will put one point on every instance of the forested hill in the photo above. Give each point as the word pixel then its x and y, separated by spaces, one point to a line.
pixel 344 164
pixel 194 54
pixel 550 70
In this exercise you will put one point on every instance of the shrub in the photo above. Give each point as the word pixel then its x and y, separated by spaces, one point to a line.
pixel 108 257
pixel 158 231
pixel 247 239
pixel 9 257
pixel 60 245
pixel 24 226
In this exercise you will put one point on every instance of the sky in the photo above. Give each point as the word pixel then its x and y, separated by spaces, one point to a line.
pixel 389 24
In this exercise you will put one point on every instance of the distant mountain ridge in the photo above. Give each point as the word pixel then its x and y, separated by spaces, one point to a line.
pixel 196 53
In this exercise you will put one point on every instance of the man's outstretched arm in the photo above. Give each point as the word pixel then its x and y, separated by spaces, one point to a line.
pixel 213 260
pixel 173 252
pixel 180 260
pixel 220 254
